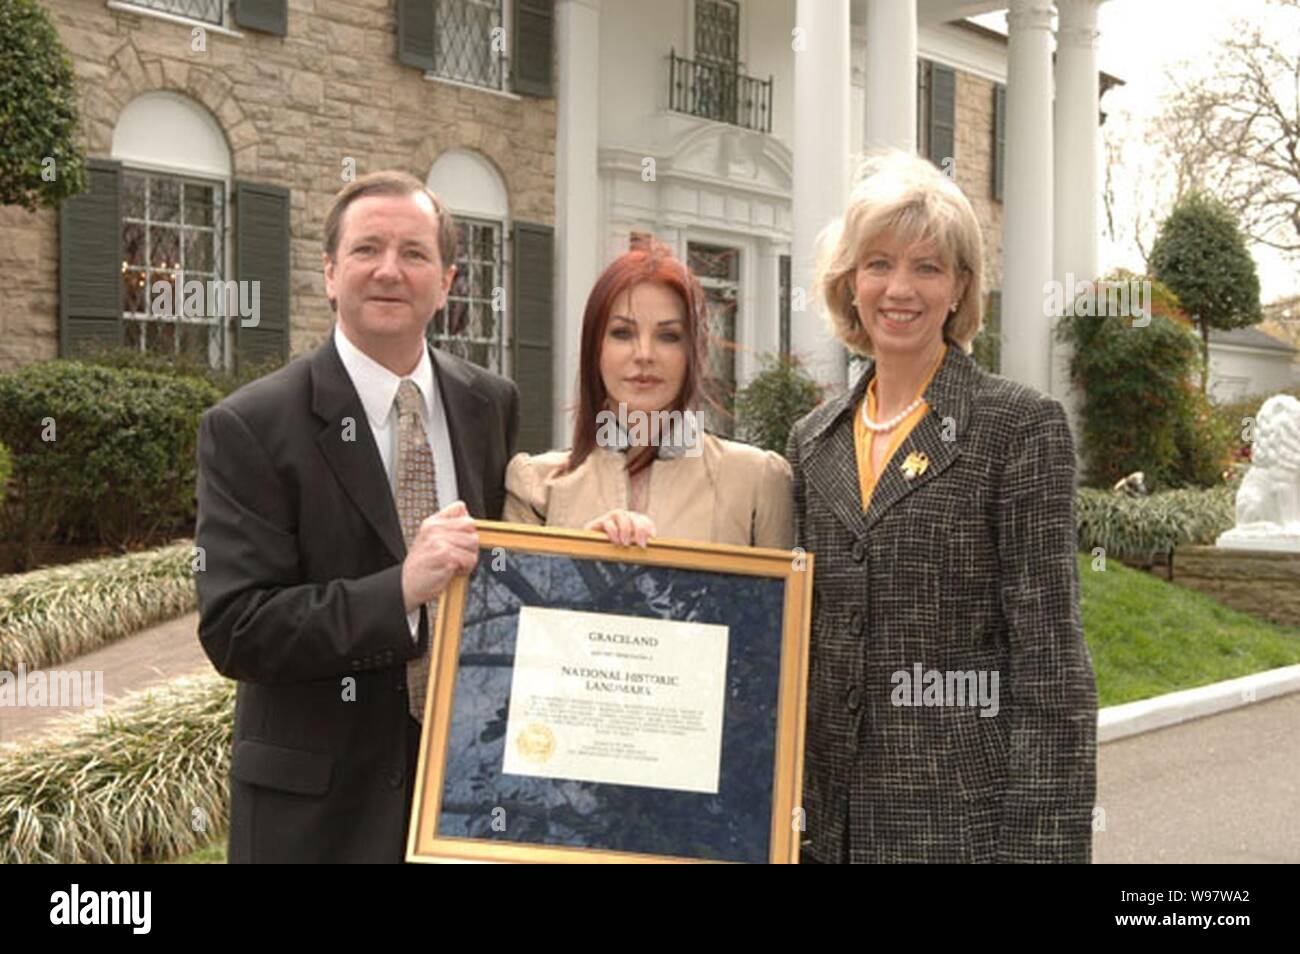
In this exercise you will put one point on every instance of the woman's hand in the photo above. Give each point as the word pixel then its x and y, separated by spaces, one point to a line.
pixel 624 527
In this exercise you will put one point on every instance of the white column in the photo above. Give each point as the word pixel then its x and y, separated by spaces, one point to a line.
pixel 890 75
pixel 1027 221
pixel 821 169
pixel 1078 151
pixel 577 231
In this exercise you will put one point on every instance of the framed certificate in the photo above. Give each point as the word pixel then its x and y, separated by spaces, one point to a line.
pixel 595 703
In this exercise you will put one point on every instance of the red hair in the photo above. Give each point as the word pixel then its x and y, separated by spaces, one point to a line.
pixel 649 261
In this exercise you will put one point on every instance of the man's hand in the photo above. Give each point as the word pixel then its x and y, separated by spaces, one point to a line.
pixel 445 544
pixel 624 527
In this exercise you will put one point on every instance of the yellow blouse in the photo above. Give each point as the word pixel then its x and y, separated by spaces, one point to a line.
pixel 863 437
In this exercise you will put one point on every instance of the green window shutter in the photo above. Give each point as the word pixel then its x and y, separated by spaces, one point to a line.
pixel 995 329
pixel 532 261
pixel 999 137
pixel 534 22
pixel 90 262
pixel 942 113
pixel 262 255
pixel 265 16
pixel 416 21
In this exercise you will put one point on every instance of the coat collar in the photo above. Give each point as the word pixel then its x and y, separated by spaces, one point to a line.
pixel 831 459
pixel 355 460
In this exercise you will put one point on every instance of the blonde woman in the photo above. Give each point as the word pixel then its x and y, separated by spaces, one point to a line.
pixel 952 704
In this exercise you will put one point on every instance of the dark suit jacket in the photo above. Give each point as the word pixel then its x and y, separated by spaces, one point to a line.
pixel 968 567
pixel 302 589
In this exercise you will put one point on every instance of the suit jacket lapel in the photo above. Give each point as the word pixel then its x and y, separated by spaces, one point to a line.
pixel 832 463
pixel 936 435
pixel 466 411
pixel 355 462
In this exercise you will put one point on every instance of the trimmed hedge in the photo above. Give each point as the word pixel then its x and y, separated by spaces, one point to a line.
pixel 100 455
pixel 51 615
pixel 1143 528
pixel 146 781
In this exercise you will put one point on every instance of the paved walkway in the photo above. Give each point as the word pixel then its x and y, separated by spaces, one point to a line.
pixel 1223 789
pixel 152 655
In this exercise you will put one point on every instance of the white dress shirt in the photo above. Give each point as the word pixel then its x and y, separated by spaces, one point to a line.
pixel 377 388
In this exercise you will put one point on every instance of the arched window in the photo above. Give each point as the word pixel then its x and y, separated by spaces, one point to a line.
pixel 475 323
pixel 176 171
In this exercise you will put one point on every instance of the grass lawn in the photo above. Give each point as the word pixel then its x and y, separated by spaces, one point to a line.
pixel 1147 637
pixel 213 854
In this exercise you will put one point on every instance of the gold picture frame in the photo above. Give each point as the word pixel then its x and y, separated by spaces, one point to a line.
pixel 711 569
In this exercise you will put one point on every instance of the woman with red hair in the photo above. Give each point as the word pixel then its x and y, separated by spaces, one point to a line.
pixel 639 464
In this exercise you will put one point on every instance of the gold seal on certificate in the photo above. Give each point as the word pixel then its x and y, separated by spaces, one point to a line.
pixel 536 743
pixel 626 700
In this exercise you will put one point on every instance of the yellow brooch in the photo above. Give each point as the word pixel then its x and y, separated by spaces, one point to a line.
pixel 915 465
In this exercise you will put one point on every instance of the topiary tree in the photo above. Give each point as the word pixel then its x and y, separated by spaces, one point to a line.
pixel 40 161
pixel 1201 254
pixel 767 407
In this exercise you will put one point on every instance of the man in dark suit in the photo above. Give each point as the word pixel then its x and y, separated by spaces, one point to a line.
pixel 336 500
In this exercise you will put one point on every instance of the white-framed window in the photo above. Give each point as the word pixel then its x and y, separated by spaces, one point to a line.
pixel 175 228
pixel 475 325
pixel 173 234
pixel 470 37
pixel 201 11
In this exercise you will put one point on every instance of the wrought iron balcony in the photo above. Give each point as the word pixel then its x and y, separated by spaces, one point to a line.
pixel 716 92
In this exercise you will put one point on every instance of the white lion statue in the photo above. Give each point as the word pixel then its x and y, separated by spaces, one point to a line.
pixel 1268 501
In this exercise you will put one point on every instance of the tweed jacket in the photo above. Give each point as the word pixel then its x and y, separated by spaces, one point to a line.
pixel 968 566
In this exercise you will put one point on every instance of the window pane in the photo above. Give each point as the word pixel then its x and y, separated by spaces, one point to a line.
pixel 133 334
pixel 134 298
pixel 164 199
pixel 165 248
pixel 198 251
pixel 160 337
pixel 198 204
pixel 133 189
pixel 132 244
pixel 194 341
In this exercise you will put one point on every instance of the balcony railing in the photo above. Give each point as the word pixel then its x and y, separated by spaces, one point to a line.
pixel 712 91
pixel 209 11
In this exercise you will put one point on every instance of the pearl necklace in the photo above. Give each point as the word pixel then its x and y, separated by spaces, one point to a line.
pixel 894 421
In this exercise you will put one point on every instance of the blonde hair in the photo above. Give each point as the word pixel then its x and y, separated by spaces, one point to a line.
pixel 910 199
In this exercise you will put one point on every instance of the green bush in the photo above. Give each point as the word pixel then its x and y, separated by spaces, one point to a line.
pixel 177 366
pixel 40 161
pixel 767 407
pixel 1144 528
pixel 100 455
pixel 1142 408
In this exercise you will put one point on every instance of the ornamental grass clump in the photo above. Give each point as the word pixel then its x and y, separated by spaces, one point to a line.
pixel 51 615
pixel 145 781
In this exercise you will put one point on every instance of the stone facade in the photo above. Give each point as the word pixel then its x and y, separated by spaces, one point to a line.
pixel 292 108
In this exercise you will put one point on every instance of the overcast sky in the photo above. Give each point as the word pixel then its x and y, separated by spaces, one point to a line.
pixel 1140 41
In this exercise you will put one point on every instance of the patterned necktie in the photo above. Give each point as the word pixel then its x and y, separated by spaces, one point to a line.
pixel 417 498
